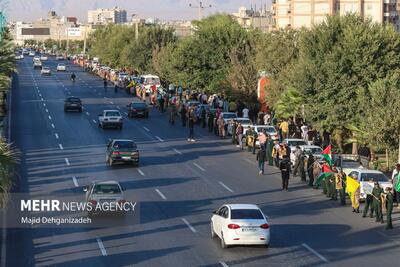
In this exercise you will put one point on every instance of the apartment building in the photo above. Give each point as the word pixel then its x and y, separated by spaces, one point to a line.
pixel 251 18
pixel 114 15
pixel 305 13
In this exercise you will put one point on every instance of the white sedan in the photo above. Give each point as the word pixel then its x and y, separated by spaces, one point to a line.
pixel 45 71
pixel 240 224
pixel 61 67
pixel 43 58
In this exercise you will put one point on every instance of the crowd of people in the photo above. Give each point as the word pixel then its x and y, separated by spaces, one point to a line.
pixel 206 111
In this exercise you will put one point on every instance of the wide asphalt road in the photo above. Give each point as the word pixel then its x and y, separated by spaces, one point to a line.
pixel 178 185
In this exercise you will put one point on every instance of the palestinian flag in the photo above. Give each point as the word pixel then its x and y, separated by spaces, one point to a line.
pixel 322 176
pixel 327 155
pixel 397 185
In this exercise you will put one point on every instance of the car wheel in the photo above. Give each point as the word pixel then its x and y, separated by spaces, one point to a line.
pixel 100 126
pixel 223 244
pixel 213 235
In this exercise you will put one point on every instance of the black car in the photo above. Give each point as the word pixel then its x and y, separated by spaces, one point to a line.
pixel 136 109
pixel 73 103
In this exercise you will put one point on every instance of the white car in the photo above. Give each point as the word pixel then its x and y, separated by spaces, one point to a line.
pixel 270 130
pixel 45 71
pixel 36 58
pixel 246 122
pixel 316 151
pixel 367 178
pixel 43 58
pixel 110 118
pixel 104 191
pixel 149 80
pixel 59 57
pixel 32 53
pixel 293 142
pixel 19 57
pixel 240 224
pixel 61 67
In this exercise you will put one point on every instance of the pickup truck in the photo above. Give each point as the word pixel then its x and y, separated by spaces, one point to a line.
pixel 122 150
pixel 110 118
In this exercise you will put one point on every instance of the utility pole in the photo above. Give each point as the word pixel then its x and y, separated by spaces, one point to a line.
pixel 200 8
pixel 84 42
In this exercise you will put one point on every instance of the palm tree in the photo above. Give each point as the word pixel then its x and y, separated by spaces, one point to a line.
pixel 8 158
pixel 290 104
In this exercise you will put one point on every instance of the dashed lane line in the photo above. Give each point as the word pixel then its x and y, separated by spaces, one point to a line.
pixel 141 172
pixel 161 194
pixel 60 146
pixel 101 246
pixel 50 117
pixel 146 129
pixel 53 126
pixel 75 181
pixel 315 252
pixel 47 111
pixel 87 113
pixel 225 186
pixel 223 264
pixel 94 121
pixel 67 162
pixel 177 151
pixel 56 135
pixel 198 166
pixel 189 225
pixel 159 139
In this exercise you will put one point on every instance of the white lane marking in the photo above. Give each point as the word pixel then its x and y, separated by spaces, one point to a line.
pixel 177 151
pixel 44 104
pixel 49 117
pixel 161 140
pixel 52 125
pixel 42 99
pixel 68 93
pixel 101 246
pixel 198 166
pixel 141 172
pixel 105 97
pixel 147 129
pixel 75 181
pixel 112 103
pixel 161 194
pixel 40 95
pixel 225 186
pixel 56 135
pixel 62 85
pixel 223 264
pixel 251 162
pixel 87 113
pixel 47 110
pixel 126 113
pixel 67 162
pixel 94 121
pixel 60 146
pixel 188 225
pixel 314 252
pixel 118 107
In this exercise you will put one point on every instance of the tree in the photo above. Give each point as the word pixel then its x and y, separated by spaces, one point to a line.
pixel 290 105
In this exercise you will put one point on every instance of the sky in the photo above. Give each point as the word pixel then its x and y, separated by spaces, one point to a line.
pixel 28 10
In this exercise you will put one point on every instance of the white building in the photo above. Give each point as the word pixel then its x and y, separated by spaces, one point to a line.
pixel 104 16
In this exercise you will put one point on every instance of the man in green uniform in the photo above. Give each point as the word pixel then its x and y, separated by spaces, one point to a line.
pixel 301 166
pixel 332 185
pixel 376 202
pixel 368 205
pixel 270 145
pixel 234 125
pixel 389 208
pixel 342 187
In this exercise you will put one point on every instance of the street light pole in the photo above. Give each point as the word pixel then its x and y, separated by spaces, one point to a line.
pixel 200 8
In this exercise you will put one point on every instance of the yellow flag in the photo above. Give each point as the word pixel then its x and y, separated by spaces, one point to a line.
pixel 351 185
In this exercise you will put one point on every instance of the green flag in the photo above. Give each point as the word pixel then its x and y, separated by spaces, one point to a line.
pixel 397 185
pixel 322 176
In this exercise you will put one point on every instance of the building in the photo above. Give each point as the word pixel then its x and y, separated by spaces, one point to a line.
pixel 305 13
pixel 249 18
pixel 104 16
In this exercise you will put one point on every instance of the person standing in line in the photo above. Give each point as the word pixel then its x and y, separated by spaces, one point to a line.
pixel 269 148
pixel 261 160
pixel 302 167
pixel 239 134
pixel 389 208
pixel 262 139
pixel 234 126
pixel 191 122
pixel 245 112
pixel 297 154
pixel 210 121
pixel 310 169
pixel 203 117
pixel 376 202
pixel 368 204
pixel 284 166
pixel 267 118
pixel 182 112
pixel 395 180
pixel 284 126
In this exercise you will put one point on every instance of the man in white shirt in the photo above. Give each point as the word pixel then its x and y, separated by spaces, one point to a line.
pixel 267 118
pixel 245 113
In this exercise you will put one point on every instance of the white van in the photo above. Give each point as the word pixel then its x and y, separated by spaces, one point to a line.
pixel 149 80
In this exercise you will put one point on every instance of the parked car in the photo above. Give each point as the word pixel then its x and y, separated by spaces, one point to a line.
pixel 240 224
pixel 37 64
pixel 136 109
pixel 32 53
pixel 45 71
pixel 103 192
pixel 244 121
pixel 316 151
pixel 366 178
pixel 73 103
pixel 60 57
pixel 43 58
pixel 110 118
pixel 121 150
pixel 149 80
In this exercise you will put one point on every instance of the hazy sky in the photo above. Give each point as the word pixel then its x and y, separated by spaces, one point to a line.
pixel 165 9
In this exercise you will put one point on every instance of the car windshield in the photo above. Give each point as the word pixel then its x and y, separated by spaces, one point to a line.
pixel 246 214
pixel 107 189
pixel 46 68
pixel 376 177
pixel 138 105
pixel 314 150
pixel 296 143
pixel 267 129
pixel 73 99
pixel 229 115
pixel 245 121
pixel 113 113
pixel 125 144
pixel 61 65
